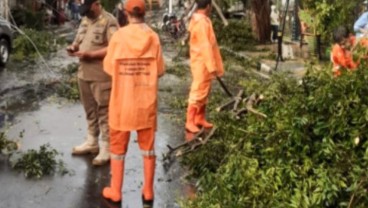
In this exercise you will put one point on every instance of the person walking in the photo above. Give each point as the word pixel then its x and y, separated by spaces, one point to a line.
pixel 275 22
pixel 205 64
pixel 90 46
pixel 134 61
pixel 75 9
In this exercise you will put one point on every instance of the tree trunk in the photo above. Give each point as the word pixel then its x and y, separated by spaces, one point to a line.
pixel 261 19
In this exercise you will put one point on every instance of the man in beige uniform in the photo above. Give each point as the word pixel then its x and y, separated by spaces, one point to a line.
pixel 90 46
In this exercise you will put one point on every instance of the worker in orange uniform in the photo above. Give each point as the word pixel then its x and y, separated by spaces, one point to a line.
pixel 134 61
pixel 205 64
pixel 341 55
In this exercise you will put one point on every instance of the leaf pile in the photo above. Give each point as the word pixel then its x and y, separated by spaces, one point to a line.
pixel 32 163
pixel 310 151
pixel 39 163
pixel 7 146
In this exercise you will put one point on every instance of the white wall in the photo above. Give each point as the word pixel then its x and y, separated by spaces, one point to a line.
pixel 291 4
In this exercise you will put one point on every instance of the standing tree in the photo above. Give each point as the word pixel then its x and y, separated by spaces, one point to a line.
pixel 261 19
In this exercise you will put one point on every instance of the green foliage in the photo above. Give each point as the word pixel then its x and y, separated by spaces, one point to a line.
pixel 32 163
pixel 28 18
pixel 39 163
pixel 310 151
pixel 178 102
pixel 24 44
pixel 109 5
pixel 178 69
pixel 325 15
pixel 183 52
pixel 314 17
pixel 69 88
pixel 71 70
pixel 236 36
pixel 231 58
pixel 7 146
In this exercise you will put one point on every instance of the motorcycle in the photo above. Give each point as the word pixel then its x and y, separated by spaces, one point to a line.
pixel 173 25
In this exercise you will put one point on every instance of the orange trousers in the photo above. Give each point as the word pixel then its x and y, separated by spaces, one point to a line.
pixel 199 92
pixel 119 141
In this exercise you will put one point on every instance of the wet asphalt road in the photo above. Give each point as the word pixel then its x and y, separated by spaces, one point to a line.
pixel 62 125
pixel 46 119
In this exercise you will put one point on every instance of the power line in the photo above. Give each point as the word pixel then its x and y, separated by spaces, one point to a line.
pixel 43 61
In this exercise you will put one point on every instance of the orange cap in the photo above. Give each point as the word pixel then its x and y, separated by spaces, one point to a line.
pixel 131 4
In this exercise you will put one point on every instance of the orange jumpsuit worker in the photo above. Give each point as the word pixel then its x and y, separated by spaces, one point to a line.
pixel 90 46
pixel 341 55
pixel 134 61
pixel 205 64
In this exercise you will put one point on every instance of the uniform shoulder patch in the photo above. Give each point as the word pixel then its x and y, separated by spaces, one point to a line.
pixel 102 21
pixel 84 21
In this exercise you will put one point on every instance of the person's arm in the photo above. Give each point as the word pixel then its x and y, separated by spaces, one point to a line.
pixel 160 62
pixel 96 54
pixel 108 63
pixel 74 47
pixel 361 23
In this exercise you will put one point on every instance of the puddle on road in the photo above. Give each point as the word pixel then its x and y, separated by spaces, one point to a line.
pixel 26 102
pixel 61 123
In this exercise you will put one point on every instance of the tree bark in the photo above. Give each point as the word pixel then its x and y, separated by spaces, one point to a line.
pixel 261 19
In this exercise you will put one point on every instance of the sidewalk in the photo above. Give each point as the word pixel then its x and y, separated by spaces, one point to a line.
pixel 293 58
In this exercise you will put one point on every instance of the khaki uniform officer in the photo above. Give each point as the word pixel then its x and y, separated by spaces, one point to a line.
pixel 90 46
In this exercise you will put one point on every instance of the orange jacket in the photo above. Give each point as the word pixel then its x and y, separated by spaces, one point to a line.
pixel 205 56
pixel 134 61
pixel 343 58
pixel 362 41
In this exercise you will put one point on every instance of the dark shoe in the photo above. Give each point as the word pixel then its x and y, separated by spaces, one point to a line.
pixel 147 203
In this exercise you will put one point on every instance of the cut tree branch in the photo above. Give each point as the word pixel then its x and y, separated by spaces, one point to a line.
pixel 219 12
pixel 238 99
